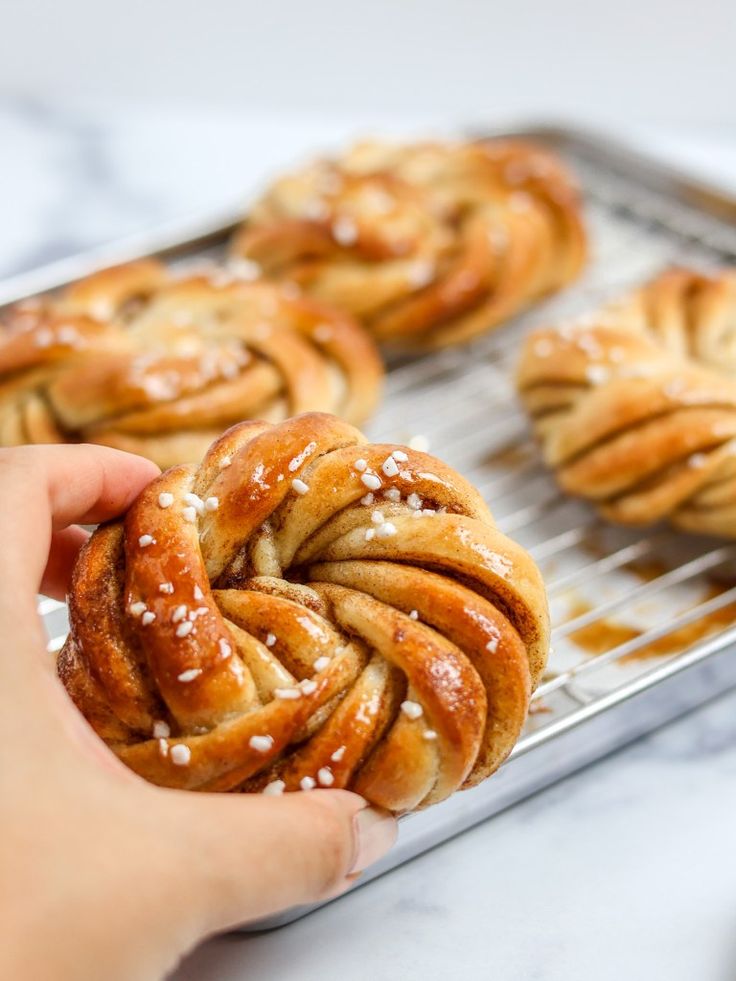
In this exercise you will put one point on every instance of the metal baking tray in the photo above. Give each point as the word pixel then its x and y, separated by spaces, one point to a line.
pixel 644 621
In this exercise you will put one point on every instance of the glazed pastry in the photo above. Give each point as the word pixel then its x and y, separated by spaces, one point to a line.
pixel 302 610
pixel 140 359
pixel 635 406
pixel 429 244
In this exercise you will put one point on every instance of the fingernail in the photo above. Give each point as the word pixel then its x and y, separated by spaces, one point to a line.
pixel 375 833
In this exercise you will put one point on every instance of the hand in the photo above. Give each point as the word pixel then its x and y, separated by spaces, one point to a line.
pixel 101 874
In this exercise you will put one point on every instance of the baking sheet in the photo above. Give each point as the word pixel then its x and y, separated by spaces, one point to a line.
pixel 643 620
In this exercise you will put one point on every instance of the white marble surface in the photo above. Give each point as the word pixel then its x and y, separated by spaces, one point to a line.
pixel 623 871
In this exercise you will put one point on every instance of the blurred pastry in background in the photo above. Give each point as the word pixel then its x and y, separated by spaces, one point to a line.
pixel 140 358
pixel 429 244
pixel 635 405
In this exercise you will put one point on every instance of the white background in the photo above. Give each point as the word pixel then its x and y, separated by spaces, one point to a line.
pixel 652 61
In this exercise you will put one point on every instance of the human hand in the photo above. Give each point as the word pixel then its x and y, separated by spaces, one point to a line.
pixel 102 874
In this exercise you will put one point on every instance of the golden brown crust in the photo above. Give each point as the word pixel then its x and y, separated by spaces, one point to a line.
pixel 429 244
pixel 135 358
pixel 383 640
pixel 636 405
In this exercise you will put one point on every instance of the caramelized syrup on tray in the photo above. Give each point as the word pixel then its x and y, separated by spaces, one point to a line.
pixel 605 634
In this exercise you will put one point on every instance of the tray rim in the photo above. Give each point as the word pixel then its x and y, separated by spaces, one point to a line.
pixel 616 726
pixel 182 235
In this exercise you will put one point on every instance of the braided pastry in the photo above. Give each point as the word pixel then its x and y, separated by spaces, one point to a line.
pixel 304 609
pixel 136 358
pixel 428 244
pixel 636 406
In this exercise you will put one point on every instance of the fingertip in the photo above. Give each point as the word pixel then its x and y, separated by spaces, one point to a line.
pixel 104 482
pixel 370 832
pixel 124 474
pixel 63 552
pixel 249 856
pixel 346 799
pixel 375 832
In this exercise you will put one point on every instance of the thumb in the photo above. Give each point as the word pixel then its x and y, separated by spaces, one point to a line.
pixel 250 856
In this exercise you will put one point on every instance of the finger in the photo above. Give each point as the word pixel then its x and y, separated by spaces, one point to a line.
pixel 47 488
pixel 65 546
pixel 249 857
pixel 82 484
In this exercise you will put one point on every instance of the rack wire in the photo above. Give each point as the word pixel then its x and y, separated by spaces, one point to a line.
pixel 642 619
pixel 622 602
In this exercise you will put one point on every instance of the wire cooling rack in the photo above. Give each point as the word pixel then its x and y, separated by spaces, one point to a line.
pixel 643 621
pixel 622 601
